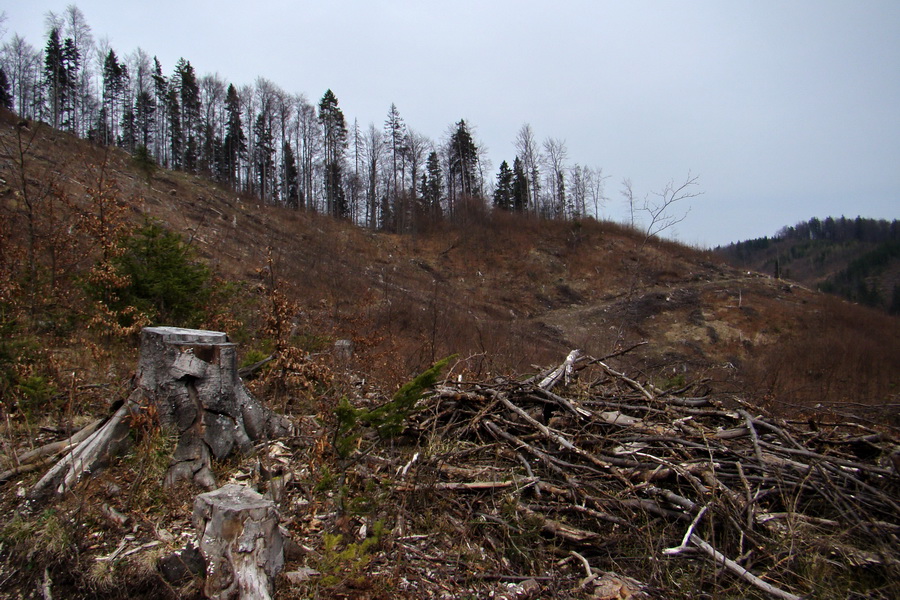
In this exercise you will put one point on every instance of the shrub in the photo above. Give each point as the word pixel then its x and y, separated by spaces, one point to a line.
pixel 162 279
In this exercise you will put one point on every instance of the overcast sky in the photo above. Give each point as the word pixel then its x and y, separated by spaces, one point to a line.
pixel 785 109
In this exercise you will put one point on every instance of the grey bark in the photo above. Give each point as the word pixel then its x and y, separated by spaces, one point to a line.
pixel 240 541
pixel 190 378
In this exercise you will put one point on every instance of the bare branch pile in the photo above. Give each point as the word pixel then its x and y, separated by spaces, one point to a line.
pixel 606 459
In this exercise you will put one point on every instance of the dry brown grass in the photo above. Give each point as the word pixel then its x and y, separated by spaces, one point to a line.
pixel 836 357
pixel 505 291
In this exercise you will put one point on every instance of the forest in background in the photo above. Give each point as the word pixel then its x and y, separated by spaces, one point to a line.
pixel 279 146
pixel 857 259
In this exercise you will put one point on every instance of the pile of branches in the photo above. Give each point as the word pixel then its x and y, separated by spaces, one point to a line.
pixel 592 456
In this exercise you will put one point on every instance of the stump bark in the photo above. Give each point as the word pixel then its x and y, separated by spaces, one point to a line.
pixel 189 377
pixel 241 542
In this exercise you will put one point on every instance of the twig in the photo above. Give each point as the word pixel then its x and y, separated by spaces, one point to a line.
pixel 590 576
pixel 687 535
pixel 562 371
pixel 60 446
pixel 559 439
pixel 741 571
pixel 469 485
pixel 752 431
pixel 45 586
pixel 637 386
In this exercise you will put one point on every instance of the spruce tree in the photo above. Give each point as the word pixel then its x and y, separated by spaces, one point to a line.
pixel 519 187
pixel 264 156
pixel 503 193
pixel 129 130
pixel 235 144
pixel 290 185
pixel 395 136
pixel 6 99
pixel 144 110
pixel 114 75
pixel 54 76
pixel 173 111
pixel 463 161
pixel 189 95
pixel 334 130
pixel 71 61
pixel 160 97
pixel 433 185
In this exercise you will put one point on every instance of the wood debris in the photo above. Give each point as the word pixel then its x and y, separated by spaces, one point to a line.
pixel 598 461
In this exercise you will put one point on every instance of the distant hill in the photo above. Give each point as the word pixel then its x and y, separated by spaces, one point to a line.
pixel 857 259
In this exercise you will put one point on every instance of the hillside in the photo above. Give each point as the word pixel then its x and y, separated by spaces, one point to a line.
pixel 857 259
pixel 507 294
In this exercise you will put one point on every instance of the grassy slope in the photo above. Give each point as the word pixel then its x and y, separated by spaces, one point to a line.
pixel 508 292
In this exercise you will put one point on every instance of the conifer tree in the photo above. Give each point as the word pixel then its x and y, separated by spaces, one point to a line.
pixel 161 95
pixel 114 88
pixel 144 110
pixel 6 99
pixel 394 136
pixel 235 141
pixel 128 140
pixel 519 187
pixel 463 159
pixel 264 156
pixel 173 111
pixel 334 130
pixel 55 79
pixel 71 62
pixel 189 96
pixel 290 184
pixel 503 193
pixel 80 43
pixel 433 185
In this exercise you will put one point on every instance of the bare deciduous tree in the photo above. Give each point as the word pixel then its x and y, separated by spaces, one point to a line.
pixel 595 182
pixel 555 154
pixel 21 62
pixel 374 151
pixel 657 206
pixel 530 155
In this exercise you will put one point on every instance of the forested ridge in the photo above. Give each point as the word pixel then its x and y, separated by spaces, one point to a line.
pixel 279 145
pixel 858 259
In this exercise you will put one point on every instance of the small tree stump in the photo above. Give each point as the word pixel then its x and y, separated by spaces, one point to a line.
pixel 241 542
pixel 343 350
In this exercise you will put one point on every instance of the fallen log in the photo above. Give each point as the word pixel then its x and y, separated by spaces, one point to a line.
pixel 40 457
pixel 91 454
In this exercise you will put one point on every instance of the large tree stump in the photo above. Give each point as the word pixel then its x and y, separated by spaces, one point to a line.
pixel 241 542
pixel 189 377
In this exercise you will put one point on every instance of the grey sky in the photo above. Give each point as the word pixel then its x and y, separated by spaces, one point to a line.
pixel 786 110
